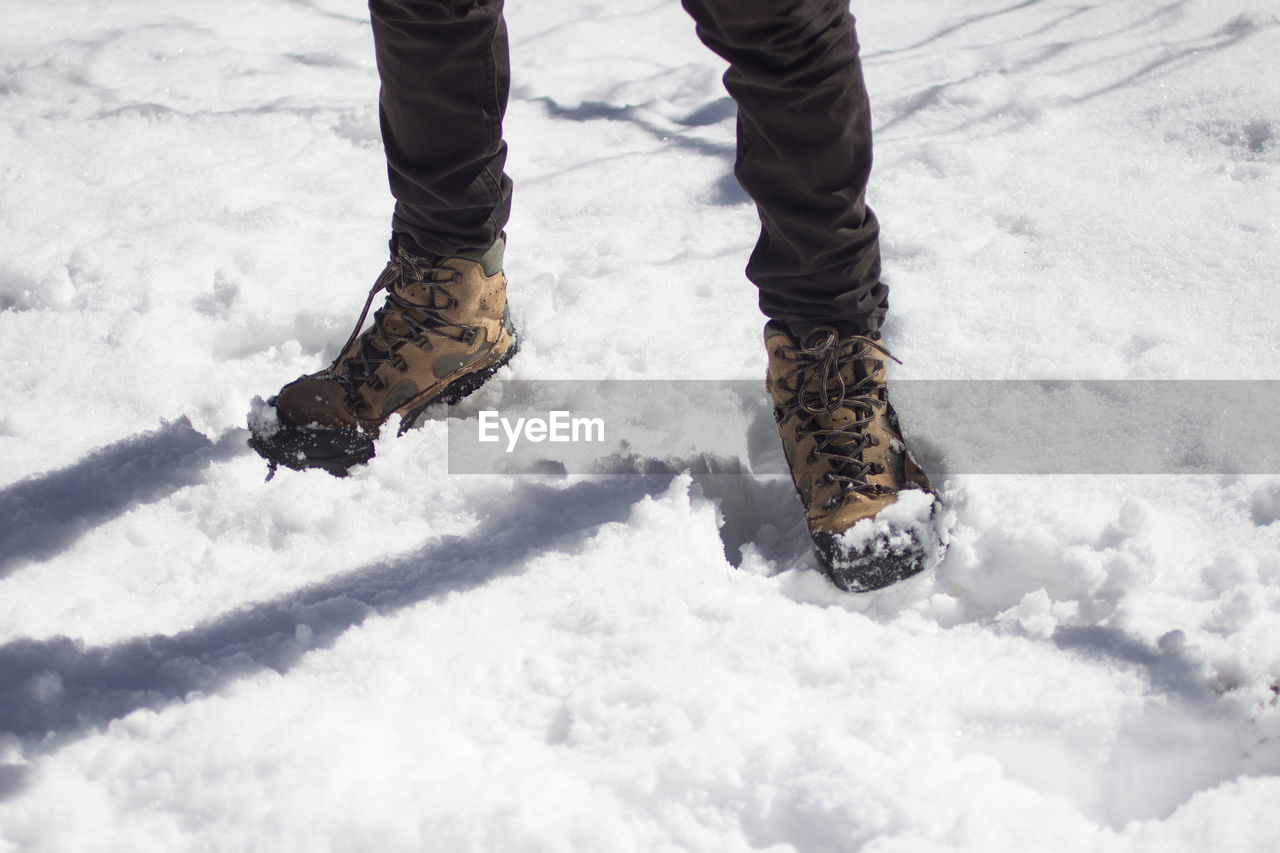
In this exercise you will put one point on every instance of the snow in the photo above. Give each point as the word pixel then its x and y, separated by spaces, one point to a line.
pixel 192 206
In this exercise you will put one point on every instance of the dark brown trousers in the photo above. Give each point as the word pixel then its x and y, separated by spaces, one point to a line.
pixel 804 141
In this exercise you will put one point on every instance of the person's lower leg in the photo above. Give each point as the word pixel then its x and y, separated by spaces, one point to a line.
pixel 804 156
pixel 445 76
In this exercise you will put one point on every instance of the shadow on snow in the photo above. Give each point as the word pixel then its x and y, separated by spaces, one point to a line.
pixel 53 690
pixel 46 514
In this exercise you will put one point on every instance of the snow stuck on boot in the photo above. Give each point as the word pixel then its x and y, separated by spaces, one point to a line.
pixel 904 539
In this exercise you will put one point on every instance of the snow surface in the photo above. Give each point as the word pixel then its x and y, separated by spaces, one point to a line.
pixel 192 206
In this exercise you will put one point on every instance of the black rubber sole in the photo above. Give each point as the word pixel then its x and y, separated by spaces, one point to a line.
pixel 877 563
pixel 338 451
pixel 301 448
pixel 865 570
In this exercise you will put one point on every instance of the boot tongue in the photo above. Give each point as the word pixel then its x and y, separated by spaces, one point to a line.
pixel 862 368
pixel 855 362
pixel 391 316
pixel 423 294
pixel 858 373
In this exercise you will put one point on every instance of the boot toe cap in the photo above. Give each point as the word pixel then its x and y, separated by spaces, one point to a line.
pixel 902 539
pixel 314 402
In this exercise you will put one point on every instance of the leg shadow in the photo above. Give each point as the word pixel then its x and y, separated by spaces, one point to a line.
pixel 47 513
pixel 1168 667
pixel 53 690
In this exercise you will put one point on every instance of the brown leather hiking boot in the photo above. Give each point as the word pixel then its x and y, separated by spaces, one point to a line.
pixel 868 505
pixel 443 330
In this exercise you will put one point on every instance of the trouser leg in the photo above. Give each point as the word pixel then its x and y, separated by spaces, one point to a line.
pixel 804 155
pixel 445 75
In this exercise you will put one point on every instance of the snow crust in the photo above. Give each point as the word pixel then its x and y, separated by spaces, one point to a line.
pixel 192 207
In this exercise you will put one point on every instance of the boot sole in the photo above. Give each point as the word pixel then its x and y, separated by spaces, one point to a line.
pixel 877 564
pixel 865 570
pixel 338 451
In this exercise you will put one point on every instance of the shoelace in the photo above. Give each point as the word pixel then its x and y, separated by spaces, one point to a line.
pixel 822 390
pixel 422 320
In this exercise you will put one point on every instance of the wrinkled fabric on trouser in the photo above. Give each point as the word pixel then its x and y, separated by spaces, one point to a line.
pixel 804 141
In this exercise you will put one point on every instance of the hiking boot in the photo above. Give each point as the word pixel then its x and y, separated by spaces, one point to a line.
pixel 868 505
pixel 443 330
